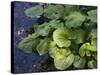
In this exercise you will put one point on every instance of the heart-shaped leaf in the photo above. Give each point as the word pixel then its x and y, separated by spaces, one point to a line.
pixel 60 37
pixel 62 62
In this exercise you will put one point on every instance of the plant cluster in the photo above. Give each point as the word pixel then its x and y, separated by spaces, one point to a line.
pixel 68 35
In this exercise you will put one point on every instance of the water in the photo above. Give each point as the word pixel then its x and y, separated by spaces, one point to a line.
pixel 24 62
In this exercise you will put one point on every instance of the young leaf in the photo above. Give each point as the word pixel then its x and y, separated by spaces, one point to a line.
pixel 55 51
pixel 93 45
pixel 92 48
pixel 62 62
pixel 34 11
pixel 63 51
pixel 88 53
pixel 83 48
pixel 87 47
pixel 74 19
pixel 60 36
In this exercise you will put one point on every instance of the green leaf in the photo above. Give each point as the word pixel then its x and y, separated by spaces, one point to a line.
pixel 67 32
pixel 79 62
pixel 55 51
pixel 62 62
pixel 92 48
pixel 53 12
pixel 83 48
pixel 92 64
pixel 28 43
pixel 74 19
pixel 76 57
pixel 56 24
pixel 70 8
pixel 93 45
pixel 43 46
pixel 43 29
pixel 92 15
pixel 60 37
pixel 94 55
pixel 63 51
pixel 34 11
pixel 88 53
pixel 80 35
pixel 93 34
pixel 36 42
pixel 87 48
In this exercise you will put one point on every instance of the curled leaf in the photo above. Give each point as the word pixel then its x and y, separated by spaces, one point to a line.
pixel 88 53
pixel 87 48
pixel 82 49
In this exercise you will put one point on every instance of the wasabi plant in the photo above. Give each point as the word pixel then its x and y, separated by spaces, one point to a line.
pixel 69 36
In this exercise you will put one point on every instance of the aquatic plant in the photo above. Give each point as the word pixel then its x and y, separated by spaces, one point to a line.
pixel 68 35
